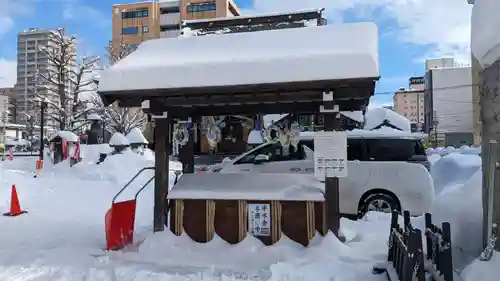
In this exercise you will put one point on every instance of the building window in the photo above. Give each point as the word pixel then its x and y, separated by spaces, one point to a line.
pixel 201 7
pixel 145 29
pixel 130 30
pixel 135 14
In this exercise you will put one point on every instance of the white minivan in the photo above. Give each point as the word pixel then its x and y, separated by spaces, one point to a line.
pixel 386 170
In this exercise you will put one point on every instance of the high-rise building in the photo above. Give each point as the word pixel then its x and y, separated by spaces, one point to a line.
pixel 32 62
pixel 136 22
pixel 449 104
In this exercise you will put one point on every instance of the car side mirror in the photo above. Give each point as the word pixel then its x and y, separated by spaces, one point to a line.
pixel 261 158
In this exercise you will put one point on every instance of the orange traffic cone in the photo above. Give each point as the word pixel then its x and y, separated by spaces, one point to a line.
pixel 15 207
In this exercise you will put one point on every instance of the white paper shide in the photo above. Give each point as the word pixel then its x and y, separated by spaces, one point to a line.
pixel 330 155
pixel 259 219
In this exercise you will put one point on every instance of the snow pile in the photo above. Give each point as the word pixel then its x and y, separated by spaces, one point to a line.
pixel 255 137
pixel 485 40
pixel 90 153
pixel 118 139
pixel 464 149
pixel 377 117
pixel 461 206
pixel 135 136
pixel 453 170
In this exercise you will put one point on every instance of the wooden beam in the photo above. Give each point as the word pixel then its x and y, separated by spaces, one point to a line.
pixel 162 149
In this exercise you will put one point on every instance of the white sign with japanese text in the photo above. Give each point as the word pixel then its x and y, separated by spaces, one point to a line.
pixel 259 219
pixel 330 154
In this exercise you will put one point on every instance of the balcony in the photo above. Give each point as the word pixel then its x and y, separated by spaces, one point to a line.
pixel 170 33
pixel 170 19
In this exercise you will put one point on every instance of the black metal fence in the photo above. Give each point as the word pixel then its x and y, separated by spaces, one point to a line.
pixel 406 260
pixel 439 253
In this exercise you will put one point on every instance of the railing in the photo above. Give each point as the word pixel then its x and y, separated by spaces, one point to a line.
pixel 130 182
pixel 406 260
pixel 439 253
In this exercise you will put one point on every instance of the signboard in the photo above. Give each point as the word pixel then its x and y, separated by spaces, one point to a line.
pixel 259 219
pixel 330 154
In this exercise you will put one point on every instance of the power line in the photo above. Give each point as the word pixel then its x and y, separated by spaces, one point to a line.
pixel 423 91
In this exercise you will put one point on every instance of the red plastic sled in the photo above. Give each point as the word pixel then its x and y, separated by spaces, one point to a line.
pixel 120 218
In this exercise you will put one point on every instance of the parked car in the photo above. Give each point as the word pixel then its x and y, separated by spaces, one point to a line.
pixel 386 171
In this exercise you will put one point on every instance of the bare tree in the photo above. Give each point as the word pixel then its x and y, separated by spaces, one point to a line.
pixel 121 119
pixel 69 80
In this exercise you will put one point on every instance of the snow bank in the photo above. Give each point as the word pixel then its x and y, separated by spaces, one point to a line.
pixel 378 116
pixel 485 40
pixel 464 149
pixel 461 206
pixel 135 136
pixel 453 170
pixel 330 52
pixel 118 139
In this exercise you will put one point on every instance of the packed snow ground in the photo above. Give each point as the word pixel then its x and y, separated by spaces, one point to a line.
pixel 62 235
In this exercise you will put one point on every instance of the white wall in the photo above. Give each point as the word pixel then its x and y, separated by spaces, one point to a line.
pixel 452 99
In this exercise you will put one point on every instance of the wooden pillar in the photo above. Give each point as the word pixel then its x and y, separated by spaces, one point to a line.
pixel 162 151
pixel 331 123
pixel 186 152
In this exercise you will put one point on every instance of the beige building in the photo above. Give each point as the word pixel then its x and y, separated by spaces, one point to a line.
pixel 31 60
pixel 6 95
pixel 136 22
pixel 410 103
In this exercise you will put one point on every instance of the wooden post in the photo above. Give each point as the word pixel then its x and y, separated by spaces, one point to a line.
pixel 162 149
pixel 332 123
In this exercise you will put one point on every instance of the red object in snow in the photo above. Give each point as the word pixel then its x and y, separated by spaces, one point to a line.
pixel 15 207
pixel 119 224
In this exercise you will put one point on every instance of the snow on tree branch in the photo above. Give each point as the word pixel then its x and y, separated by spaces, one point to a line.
pixel 63 85
pixel 120 119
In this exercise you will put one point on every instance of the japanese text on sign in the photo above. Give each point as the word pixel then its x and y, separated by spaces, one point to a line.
pixel 330 154
pixel 259 219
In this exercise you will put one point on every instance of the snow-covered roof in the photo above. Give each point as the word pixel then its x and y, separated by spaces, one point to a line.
pixel 354 115
pixel 330 52
pixel 248 187
pixel 187 22
pixel 66 135
pixel 255 137
pixel 376 117
pixel 485 41
pixel 118 139
pixel 135 136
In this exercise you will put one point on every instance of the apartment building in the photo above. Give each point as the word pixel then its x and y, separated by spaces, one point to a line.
pixel 136 22
pixel 31 60
pixel 449 104
pixel 410 104
pixel 6 97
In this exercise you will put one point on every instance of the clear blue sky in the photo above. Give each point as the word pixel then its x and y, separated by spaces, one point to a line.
pixel 405 40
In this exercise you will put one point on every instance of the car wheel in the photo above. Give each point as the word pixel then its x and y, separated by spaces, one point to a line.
pixel 380 203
